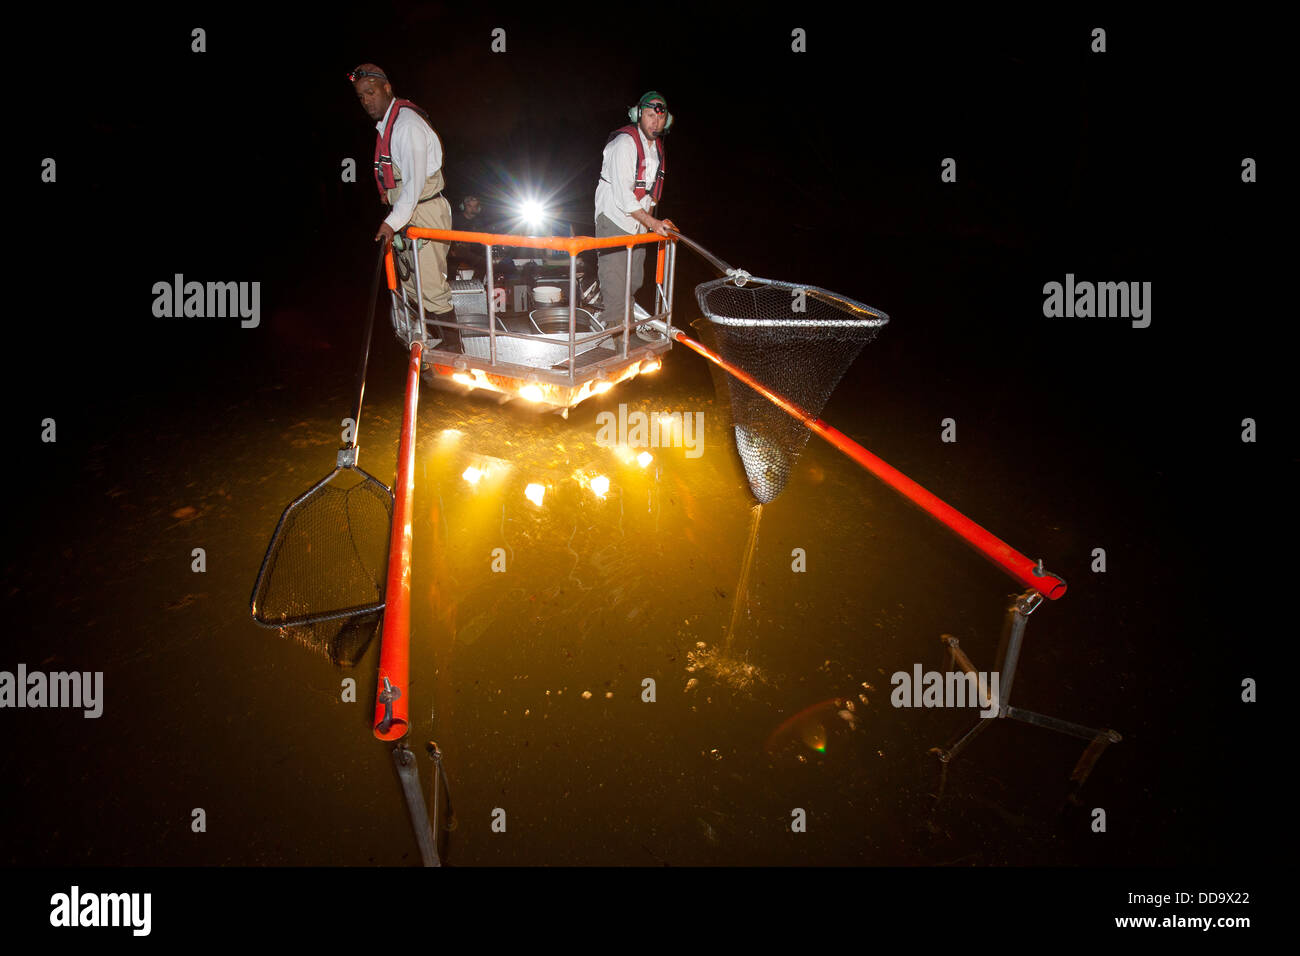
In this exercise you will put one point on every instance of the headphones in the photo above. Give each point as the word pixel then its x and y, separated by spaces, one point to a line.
pixel 634 112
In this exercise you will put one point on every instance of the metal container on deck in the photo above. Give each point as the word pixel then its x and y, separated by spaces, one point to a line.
pixel 468 297
pixel 554 320
pixel 548 344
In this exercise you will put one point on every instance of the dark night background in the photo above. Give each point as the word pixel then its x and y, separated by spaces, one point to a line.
pixel 820 168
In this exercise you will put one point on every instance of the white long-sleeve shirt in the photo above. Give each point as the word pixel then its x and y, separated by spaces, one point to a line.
pixel 614 196
pixel 417 155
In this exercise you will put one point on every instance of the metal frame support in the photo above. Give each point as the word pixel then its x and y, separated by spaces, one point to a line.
pixel 671 283
pixel 409 775
pixel 1009 657
pixel 419 290
pixel 573 318
pixel 627 300
pixel 492 312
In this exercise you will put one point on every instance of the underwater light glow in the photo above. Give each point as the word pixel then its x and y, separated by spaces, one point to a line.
pixel 558 396
pixel 472 475
pixel 600 486
pixel 534 493
pixel 644 459
pixel 651 365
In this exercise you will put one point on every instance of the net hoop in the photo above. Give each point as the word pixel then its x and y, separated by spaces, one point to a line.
pixel 292 597
pixel 792 340
pixel 865 316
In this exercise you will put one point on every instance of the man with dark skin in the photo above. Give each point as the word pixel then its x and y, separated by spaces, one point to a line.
pixel 408 172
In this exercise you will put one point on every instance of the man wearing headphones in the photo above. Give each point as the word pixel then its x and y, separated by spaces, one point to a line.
pixel 408 172
pixel 631 182
pixel 469 217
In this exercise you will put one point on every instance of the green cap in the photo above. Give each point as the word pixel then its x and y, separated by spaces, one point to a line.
pixel 652 95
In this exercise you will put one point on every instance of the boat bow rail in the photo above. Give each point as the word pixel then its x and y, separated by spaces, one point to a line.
pixel 533 358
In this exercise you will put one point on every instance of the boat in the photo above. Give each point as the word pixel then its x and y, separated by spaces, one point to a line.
pixel 541 338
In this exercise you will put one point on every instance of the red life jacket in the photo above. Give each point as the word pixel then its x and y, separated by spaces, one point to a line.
pixel 383 151
pixel 638 188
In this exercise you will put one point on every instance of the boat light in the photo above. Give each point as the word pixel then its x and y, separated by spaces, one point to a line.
pixel 532 213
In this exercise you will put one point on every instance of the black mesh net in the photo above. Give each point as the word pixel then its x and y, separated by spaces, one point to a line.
pixel 343 640
pixel 328 558
pixel 797 341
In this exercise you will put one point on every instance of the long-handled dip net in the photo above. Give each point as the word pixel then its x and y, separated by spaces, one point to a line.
pixel 785 348
pixel 797 341
pixel 322 580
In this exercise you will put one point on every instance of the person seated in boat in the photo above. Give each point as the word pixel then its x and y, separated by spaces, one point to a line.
pixel 631 184
pixel 408 173
pixel 470 216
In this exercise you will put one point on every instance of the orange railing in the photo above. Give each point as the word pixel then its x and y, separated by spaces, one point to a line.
pixel 570 244
pixel 573 246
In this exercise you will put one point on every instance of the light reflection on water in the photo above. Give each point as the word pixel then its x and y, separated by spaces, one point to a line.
pixel 532 678
pixel 562 611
